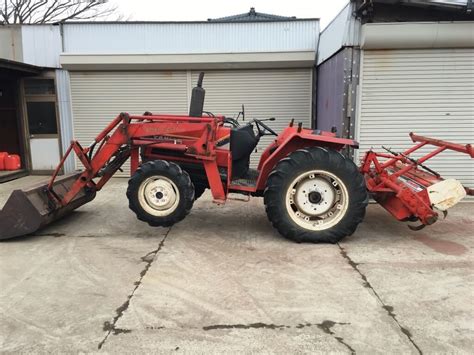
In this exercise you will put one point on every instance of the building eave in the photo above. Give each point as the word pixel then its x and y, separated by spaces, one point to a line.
pixel 21 68
pixel 86 62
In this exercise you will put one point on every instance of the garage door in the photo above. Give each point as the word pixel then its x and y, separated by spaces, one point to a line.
pixel 429 92
pixel 283 94
pixel 97 97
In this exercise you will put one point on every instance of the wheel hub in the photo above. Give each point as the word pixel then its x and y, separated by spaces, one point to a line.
pixel 314 195
pixel 160 194
pixel 316 200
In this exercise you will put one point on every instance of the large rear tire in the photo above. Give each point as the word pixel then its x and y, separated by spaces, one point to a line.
pixel 160 193
pixel 315 195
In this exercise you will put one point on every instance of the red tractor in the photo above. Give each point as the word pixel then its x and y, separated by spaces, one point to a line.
pixel 312 193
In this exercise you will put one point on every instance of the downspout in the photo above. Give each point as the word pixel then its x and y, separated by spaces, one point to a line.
pixel 66 119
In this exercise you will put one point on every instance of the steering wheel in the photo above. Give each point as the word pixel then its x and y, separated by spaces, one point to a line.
pixel 261 132
pixel 232 121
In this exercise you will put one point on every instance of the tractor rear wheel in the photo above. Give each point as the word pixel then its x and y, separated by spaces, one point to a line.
pixel 315 195
pixel 160 193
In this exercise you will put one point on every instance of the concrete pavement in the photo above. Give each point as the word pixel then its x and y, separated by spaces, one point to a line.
pixel 224 281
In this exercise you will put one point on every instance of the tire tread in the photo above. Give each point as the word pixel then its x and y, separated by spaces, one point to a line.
pixel 180 178
pixel 303 160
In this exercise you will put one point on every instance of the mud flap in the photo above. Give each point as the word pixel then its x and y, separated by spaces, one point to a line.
pixel 31 209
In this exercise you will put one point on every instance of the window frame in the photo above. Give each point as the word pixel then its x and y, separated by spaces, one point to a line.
pixel 42 135
pixel 41 98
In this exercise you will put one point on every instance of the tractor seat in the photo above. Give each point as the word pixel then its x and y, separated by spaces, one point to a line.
pixel 242 143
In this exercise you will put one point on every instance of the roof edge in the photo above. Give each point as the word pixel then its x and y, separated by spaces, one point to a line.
pixel 20 66
pixel 178 22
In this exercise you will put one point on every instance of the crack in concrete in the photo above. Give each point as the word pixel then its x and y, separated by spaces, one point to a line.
pixel 325 326
pixel 149 256
pixel 110 327
pixel 389 309
pixel 245 326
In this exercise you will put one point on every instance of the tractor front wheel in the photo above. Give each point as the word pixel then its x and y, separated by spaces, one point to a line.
pixel 315 195
pixel 199 189
pixel 160 193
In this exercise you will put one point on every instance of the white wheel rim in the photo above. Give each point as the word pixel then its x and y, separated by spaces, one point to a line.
pixel 317 200
pixel 158 195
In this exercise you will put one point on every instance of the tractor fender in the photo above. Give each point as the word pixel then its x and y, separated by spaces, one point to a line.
pixel 291 140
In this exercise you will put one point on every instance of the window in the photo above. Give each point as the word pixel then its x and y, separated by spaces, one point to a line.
pixel 42 117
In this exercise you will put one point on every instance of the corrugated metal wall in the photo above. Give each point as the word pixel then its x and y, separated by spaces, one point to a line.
pixel 10 43
pixel 338 80
pixel 65 115
pixel 330 92
pixel 175 38
pixel 429 92
pixel 343 31
pixel 97 97
pixel 41 45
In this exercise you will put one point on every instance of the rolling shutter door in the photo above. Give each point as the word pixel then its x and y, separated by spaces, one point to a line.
pixel 280 93
pixel 98 97
pixel 429 92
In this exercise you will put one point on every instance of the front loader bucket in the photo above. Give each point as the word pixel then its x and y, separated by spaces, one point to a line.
pixel 31 209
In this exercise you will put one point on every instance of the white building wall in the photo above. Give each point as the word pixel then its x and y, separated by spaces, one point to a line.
pixel 41 45
pixel 343 31
pixel 200 37
pixel 10 43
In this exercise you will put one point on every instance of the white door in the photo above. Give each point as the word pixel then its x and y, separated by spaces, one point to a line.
pixel 44 153
pixel 42 123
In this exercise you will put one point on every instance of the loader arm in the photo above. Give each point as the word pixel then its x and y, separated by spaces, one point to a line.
pixel 28 210
pixel 195 137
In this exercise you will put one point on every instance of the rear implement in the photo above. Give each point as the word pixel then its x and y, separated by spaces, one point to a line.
pixel 407 188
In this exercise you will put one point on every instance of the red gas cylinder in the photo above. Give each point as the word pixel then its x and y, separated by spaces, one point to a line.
pixel 12 162
pixel 3 155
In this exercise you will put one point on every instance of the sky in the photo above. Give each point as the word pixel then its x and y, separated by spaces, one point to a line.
pixel 201 10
